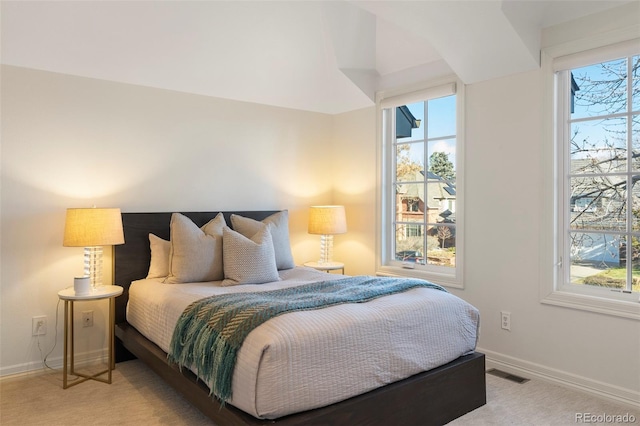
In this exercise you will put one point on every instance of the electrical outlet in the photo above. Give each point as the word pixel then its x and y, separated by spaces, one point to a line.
pixel 505 321
pixel 87 318
pixel 39 326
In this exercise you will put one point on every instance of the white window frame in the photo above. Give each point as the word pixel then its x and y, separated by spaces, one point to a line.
pixel 386 264
pixel 554 263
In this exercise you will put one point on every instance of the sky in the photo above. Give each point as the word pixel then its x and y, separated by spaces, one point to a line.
pixel 440 124
pixel 606 83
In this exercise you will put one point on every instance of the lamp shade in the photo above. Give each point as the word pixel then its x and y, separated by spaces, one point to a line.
pixel 327 220
pixel 93 227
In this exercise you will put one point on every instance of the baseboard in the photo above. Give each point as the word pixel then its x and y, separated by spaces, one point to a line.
pixel 532 370
pixel 37 367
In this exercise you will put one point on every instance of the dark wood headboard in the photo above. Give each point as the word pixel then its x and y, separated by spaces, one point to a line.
pixel 131 259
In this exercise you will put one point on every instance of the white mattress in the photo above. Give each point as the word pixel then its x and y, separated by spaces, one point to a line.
pixel 304 360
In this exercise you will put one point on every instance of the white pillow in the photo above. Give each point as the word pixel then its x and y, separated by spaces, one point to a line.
pixel 196 253
pixel 248 261
pixel 278 224
pixel 160 252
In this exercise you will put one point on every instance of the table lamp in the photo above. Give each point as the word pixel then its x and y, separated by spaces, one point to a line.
pixel 93 228
pixel 327 221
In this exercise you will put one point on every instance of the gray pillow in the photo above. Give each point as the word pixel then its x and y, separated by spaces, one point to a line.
pixel 278 224
pixel 248 260
pixel 196 253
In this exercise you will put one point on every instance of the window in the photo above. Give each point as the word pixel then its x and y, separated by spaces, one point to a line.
pixel 597 118
pixel 420 192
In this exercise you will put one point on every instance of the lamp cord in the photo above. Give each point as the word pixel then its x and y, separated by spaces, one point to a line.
pixel 55 341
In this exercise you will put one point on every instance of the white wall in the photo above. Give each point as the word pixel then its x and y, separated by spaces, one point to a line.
pixel 77 142
pixel 354 184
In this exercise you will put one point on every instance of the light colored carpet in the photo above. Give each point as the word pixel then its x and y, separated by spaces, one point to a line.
pixel 137 396
pixel 540 403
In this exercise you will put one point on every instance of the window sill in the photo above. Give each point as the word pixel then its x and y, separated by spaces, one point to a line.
pixel 444 280
pixel 601 305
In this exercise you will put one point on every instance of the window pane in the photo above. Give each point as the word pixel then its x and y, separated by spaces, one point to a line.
pixel 410 122
pixel 441 245
pixel 635 141
pixel 635 72
pixel 598 203
pixel 595 259
pixel 599 146
pixel 635 266
pixel 441 202
pixel 441 117
pixel 410 162
pixel 442 159
pixel 635 202
pixel 409 243
pixel 409 202
pixel 600 89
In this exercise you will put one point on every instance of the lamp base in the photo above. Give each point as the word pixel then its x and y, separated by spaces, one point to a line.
pixel 93 265
pixel 326 249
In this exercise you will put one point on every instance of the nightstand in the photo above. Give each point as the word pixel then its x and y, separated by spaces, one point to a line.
pixel 330 266
pixel 69 296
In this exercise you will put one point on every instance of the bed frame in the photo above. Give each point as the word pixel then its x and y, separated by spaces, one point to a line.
pixel 433 397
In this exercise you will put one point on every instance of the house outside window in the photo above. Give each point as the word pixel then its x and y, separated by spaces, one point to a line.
pixel 420 185
pixel 597 134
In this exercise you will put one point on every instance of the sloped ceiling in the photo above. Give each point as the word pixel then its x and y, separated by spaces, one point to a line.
pixel 327 57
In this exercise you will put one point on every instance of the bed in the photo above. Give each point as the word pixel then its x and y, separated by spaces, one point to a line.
pixel 436 396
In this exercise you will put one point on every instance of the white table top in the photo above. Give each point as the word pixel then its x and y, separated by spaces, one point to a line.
pixel 329 266
pixel 101 292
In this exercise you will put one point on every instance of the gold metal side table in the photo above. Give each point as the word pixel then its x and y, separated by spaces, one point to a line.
pixel 69 296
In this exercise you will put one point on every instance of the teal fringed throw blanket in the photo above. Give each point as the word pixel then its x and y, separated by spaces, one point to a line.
pixel 211 331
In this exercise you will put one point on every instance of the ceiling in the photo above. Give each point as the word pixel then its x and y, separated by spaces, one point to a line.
pixel 323 56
